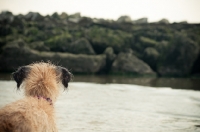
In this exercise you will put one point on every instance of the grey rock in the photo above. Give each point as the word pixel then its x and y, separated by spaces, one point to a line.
pixel 129 63
pixel 74 18
pixel 75 15
pixel 55 15
pixel 110 53
pixel 124 19
pixel 33 16
pixel 183 22
pixel 85 21
pixel 63 15
pixel 163 21
pixel 6 17
pixel 23 55
pixel 81 46
pixel 98 21
pixel 110 57
pixel 141 21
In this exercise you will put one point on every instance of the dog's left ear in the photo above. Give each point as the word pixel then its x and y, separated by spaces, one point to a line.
pixel 65 75
pixel 20 75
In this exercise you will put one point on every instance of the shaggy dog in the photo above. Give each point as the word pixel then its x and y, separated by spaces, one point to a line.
pixel 35 113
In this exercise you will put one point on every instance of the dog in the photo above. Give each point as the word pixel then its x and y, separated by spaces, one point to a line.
pixel 35 112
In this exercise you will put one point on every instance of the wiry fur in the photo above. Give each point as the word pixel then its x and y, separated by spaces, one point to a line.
pixel 32 114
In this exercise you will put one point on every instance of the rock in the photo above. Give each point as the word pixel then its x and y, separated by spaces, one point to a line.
pixel 47 23
pixel 6 17
pixel 74 18
pixel 19 21
pixel 110 53
pixel 20 16
pixel 129 63
pixel 81 46
pixel 85 21
pixel 81 63
pixel 2 42
pixel 5 30
pixel 33 16
pixel 98 21
pixel 12 52
pixel 124 19
pixel 39 46
pixel 163 21
pixel 178 58
pixel 75 15
pixel 63 16
pixel 154 43
pixel 107 23
pixel 110 56
pixel 183 22
pixel 141 21
pixel 195 67
pixel 14 56
pixel 55 15
pixel 151 56
pixel 6 13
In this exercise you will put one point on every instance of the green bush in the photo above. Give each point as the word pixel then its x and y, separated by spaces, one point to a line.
pixel 60 42
pixel 101 38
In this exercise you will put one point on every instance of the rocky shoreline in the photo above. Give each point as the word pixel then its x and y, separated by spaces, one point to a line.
pixel 93 46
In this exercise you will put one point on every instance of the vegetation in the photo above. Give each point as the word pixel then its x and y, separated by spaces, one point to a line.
pixel 170 49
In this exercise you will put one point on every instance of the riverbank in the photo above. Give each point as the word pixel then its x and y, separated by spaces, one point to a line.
pixel 92 46
pixel 192 83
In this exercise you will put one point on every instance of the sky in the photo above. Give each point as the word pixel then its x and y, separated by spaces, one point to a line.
pixel 154 10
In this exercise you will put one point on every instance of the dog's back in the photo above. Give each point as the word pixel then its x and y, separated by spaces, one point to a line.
pixel 27 115
pixel 34 113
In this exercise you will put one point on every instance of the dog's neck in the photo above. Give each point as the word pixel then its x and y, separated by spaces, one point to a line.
pixel 45 98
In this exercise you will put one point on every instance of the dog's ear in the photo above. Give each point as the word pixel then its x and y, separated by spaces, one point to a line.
pixel 20 75
pixel 65 75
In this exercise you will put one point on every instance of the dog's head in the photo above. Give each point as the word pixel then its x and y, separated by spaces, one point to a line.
pixel 41 78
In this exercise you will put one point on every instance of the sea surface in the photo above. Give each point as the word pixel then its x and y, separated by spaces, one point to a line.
pixel 116 107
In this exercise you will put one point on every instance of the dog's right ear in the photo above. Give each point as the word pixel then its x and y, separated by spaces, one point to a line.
pixel 20 75
pixel 65 75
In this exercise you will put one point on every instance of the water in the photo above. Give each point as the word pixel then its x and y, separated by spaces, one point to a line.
pixel 90 107
pixel 109 107
pixel 176 83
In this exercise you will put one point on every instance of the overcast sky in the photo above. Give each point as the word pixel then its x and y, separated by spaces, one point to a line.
pixel 154 10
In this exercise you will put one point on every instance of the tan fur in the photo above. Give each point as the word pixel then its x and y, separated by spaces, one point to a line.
pixel 32 114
